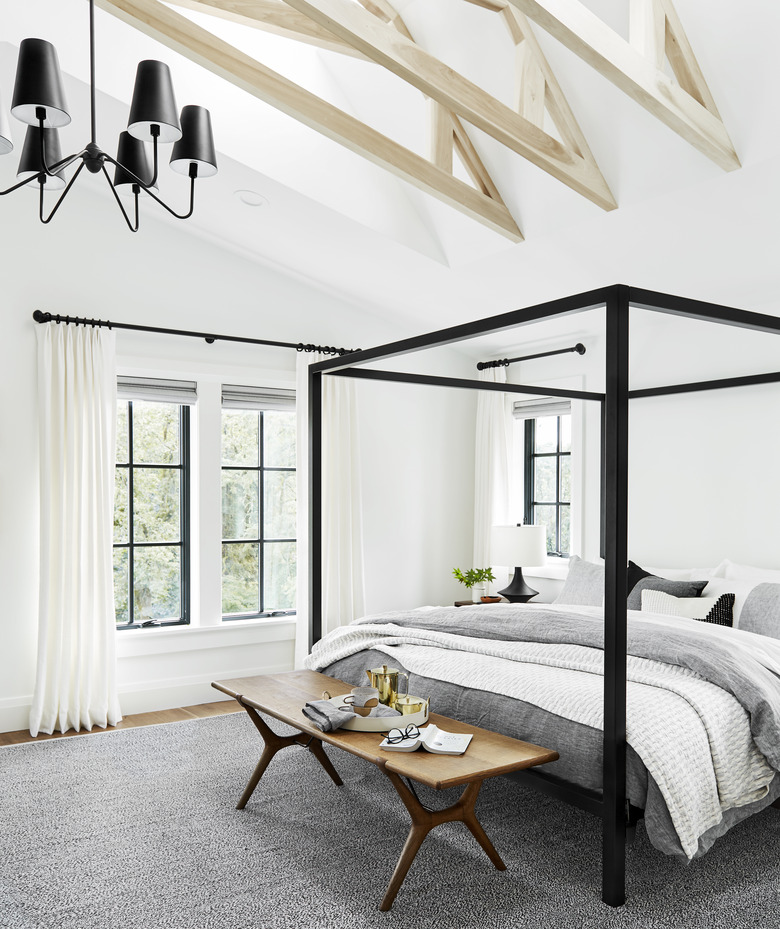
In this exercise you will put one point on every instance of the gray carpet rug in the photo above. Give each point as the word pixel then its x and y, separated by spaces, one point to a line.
pixel 138 830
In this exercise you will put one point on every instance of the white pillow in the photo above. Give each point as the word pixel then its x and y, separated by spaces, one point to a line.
pixel 656 601
pixel 730 569
pixel 681 574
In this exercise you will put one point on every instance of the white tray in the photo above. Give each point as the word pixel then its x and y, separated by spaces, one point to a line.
pixel 382 723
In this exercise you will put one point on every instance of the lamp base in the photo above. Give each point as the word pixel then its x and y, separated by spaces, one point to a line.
pixel 518 591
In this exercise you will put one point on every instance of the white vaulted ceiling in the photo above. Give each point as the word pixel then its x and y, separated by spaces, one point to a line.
pixel 682 222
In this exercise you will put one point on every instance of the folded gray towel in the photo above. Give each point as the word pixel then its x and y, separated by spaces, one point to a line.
pixel 383 710
pixel 326 716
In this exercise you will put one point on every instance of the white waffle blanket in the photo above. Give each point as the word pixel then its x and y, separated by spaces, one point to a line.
pixel 693 737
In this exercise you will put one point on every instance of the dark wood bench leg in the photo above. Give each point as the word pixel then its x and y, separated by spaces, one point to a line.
pixel 273 744
pixel 423 820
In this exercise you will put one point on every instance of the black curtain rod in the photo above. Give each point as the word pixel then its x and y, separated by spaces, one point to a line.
pixel 40 317
pixel 579 348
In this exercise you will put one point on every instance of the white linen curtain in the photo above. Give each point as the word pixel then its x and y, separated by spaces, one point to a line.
pixel 343 587
pixel 75 686
pixel 492 465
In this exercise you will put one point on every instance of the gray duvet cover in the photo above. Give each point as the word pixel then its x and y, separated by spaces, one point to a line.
pixel 580 746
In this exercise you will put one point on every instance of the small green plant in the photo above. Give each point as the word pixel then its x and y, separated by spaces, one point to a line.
pixel 474 576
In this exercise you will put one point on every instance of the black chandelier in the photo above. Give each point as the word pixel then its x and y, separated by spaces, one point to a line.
pixel 39 101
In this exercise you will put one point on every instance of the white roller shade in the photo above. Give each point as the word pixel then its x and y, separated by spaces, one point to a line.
pixel 544 406
pixel 157 388
pixel 257 398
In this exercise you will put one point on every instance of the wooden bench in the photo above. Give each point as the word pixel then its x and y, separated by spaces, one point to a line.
pixel 282 696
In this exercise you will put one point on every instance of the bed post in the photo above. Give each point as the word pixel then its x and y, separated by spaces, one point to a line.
pixel 615 513
pixel 315 507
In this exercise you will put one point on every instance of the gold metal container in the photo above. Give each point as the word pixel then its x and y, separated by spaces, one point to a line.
pixel 407 704
pixel 386 682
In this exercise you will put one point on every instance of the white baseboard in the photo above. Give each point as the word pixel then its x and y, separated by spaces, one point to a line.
pixel 143 697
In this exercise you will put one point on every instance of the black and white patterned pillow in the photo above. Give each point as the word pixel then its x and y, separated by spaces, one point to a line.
pixel 719 611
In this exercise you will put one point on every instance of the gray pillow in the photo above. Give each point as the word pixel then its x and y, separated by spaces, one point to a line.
pixel 675 588
pixel 584 584
pixel 761 612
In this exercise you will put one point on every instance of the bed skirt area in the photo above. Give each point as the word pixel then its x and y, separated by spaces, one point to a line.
pixel 579 746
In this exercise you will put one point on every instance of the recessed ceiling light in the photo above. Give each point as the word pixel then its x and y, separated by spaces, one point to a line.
pixel 251 198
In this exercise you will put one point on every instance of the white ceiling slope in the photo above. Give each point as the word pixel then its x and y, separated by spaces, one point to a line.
pixel 682 223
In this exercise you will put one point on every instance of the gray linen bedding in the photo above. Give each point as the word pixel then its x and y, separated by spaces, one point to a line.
pixel 730 666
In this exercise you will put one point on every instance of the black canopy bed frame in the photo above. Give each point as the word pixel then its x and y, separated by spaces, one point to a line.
pixel 616 300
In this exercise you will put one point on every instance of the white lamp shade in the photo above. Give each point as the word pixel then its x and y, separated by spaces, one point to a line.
pixel 518 546
pixel 6 142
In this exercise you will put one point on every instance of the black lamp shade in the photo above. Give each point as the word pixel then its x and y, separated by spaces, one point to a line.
pixel 196 146
pixel 39 84
pixel 153 104
pixel 133 156
pixel 30 162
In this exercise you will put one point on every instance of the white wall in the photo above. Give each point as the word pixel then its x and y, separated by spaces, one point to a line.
pixel 702 466
pixel 86 263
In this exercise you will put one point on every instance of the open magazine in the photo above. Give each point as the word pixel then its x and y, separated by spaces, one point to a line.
pixel 433 740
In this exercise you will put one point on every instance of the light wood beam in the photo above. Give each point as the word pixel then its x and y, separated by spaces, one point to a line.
pixel 441 133
pixel 647 30
pixel 272 16
pixel 388 14
pixel 683 61
pixel 470 102
pixel 185 37
pixel 494 6
pixel 613 57
pixel 530 85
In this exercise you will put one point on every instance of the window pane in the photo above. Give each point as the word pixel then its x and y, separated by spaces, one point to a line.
pixel 566 433
pixel 240 437
pixel 155 432
pixel 565 530
pixel 157 585
pixel 240 507
pixel 156 505
pixel 544 480
pixel 278 439
pixel 565 496
pixel 280 559
pixel 546 434
pixel 121 584
pixel 279 505
pixel 121 505
pixel 121 432
pixel 545 516
pixel 240 578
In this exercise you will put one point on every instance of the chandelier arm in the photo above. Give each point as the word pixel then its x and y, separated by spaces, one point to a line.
pixel 62 196
pixel 52 170
pixel 130 226
pixel 29 180
pixel 146 188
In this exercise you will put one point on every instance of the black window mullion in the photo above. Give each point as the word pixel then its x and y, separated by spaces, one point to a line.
pixel 131 517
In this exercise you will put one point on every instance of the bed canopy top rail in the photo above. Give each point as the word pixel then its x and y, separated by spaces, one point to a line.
pixel 403 377
pixel 616 302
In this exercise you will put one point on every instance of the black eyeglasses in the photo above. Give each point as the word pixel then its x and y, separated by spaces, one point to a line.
pixel 401 735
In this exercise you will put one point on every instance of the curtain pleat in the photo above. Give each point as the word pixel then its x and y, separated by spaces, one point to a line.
pixel 75 684
pixel 343 587
pixel 492 464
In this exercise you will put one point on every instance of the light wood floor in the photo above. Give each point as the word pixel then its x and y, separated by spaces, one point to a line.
pixel 130 722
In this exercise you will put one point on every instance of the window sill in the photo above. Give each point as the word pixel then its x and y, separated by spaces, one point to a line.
pixel 153 640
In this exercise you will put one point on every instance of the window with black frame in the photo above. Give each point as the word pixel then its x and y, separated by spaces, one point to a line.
pixel 259 554
pixel 547 477
pixel 151 502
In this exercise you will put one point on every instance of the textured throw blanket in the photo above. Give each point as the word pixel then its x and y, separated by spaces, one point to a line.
pixel 703 702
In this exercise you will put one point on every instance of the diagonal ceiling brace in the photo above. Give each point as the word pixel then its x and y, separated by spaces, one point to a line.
pixel 185 37
pixel 635 67
pixel 436 80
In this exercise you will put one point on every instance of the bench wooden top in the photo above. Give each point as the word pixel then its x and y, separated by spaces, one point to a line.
pixel 489 754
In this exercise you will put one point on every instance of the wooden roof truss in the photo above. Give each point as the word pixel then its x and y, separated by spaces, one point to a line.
pixel 377 32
